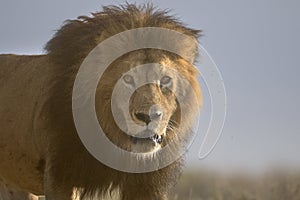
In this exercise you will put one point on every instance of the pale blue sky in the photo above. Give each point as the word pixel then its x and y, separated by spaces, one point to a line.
pixel 255 45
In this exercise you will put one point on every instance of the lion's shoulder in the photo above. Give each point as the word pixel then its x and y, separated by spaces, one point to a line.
pixel 12 64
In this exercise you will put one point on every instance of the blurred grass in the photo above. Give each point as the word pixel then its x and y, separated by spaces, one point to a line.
pixel 208 185
pixel 205 185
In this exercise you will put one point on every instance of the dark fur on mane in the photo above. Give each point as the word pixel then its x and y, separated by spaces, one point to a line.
pixel 78 37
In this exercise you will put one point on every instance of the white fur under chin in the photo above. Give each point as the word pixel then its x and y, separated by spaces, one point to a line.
pixel 145 149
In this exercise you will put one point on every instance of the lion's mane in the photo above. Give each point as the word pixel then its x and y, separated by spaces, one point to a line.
pixel 70 45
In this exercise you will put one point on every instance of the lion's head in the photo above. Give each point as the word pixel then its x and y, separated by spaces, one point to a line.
pixel 137 101
pixel 153 107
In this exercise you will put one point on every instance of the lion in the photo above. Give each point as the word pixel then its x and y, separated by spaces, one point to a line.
pixel 40 150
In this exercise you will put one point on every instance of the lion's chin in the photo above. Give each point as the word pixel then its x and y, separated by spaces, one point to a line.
pixel 140 147
pixel 146 142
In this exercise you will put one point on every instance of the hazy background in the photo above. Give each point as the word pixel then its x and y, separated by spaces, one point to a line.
pixel 256 47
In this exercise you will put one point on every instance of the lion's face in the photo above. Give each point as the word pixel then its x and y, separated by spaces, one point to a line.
pixel 144 103
pixel 151 105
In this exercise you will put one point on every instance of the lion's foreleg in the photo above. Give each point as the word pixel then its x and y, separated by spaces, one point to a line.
pixel 8 192
pixel 55 190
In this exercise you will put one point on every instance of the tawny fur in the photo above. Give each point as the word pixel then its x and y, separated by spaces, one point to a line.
pixel 40 151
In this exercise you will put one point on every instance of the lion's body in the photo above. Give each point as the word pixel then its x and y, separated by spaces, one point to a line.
pixel 40 151
pixel 18 114
pixel 20 153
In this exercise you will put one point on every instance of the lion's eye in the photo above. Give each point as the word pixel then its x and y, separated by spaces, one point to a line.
pixel 165 80
pixel 128 79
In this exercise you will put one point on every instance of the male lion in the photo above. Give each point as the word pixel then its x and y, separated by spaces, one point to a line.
pixel 40 150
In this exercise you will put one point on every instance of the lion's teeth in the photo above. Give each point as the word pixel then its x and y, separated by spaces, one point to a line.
pixel 156 138
pixel 159 139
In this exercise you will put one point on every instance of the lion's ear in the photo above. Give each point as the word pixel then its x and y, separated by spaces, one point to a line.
pixel 190 74
pixel 189 50
pixel 182 44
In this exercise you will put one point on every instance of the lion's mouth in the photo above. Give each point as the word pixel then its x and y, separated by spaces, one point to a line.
pixel 155 139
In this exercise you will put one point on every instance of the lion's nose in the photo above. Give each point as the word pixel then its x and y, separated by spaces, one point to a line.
pixel 156 115
pixel 148 118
